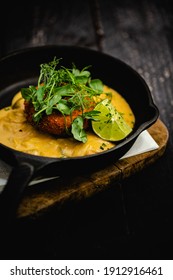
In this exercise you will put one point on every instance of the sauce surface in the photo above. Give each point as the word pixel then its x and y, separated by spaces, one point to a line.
pixel 17 133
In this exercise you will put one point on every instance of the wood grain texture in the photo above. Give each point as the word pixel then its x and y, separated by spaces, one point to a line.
pixel 36 24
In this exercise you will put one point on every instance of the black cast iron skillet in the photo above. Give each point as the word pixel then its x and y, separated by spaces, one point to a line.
pixel 21 68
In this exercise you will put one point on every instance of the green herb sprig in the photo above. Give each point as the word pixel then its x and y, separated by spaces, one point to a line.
pixel 64 90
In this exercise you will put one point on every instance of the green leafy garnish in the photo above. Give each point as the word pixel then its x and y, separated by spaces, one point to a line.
pixel 78 130
pixel 64 90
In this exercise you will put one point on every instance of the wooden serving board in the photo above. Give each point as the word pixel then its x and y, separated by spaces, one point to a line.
pixel 59 192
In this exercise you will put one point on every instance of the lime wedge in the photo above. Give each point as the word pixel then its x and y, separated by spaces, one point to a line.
pixel 109 123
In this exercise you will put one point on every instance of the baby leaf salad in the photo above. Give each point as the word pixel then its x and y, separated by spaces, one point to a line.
pixel 64 90
pixel 70 90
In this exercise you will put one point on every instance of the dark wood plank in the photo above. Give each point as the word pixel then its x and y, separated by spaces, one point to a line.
pixel 57 22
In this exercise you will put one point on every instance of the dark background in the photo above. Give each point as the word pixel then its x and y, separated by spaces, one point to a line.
pixel 134 220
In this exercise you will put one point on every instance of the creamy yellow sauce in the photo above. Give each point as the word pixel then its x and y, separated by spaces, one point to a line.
pixel 17 133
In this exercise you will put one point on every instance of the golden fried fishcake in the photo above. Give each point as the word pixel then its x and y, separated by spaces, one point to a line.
pixel 56 123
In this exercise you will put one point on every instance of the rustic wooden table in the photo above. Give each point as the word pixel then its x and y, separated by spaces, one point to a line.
pixel 133 219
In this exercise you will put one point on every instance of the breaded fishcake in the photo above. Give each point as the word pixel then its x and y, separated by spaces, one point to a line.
pixel 56 123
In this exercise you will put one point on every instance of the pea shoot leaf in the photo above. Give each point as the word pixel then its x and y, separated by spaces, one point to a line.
pixel 65 90
pixel 96 84
pixel 78 130
pixel 63 108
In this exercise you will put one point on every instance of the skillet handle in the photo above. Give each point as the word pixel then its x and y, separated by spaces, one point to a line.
pixel 19 179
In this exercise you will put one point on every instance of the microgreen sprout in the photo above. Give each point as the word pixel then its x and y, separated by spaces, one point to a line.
pixel 64 90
